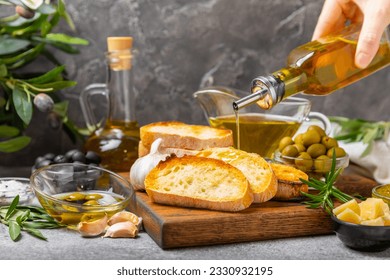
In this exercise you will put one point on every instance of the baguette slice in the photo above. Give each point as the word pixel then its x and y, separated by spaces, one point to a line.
pixel 197 182
pixel 257 170
pixel 185 136
pixel 289 185
pixel 143 151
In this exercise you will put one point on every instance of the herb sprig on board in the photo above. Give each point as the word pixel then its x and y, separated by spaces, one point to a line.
pixel 359 130
pixel 326 190
pixel 20 218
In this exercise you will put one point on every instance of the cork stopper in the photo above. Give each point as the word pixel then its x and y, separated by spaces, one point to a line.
pixel 119 52
pixel 119 43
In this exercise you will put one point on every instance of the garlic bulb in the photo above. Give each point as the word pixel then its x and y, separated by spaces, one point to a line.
pixel 123 216
pixel 143 165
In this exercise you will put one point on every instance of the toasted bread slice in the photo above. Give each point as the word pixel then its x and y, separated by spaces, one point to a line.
pixel 257 170
pixel 197 182
pixel 289 184
pixel 185 136
pixel 143 151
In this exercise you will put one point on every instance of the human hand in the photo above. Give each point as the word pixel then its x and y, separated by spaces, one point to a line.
pixel 374 15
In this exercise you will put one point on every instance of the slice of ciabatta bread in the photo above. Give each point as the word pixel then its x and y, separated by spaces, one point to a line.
pixel 198 182
pixel 257 170
pixel 185 136
pixel 143 151
pixel 289 184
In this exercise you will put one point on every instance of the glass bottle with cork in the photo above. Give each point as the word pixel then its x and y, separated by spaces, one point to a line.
pixel 318 68
pixel 117 141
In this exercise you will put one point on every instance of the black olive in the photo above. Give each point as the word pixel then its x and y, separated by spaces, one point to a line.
pixel 92 157
pixel 44 102
pixel 70 153
pixel 43 163
pixel 60 159
pixel 49 156
pixel 78 156
pixel 39 159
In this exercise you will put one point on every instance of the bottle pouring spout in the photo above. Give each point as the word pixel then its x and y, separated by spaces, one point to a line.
pixel 250 99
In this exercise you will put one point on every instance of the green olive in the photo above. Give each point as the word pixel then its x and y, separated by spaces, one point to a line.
pixel 290 151
pixel 298 139
pixel 339 152
pixel 310 137
pixel 329 142
pixel 300 148
pixel 304 162
pixel 74 197
pixel 93 196
pixel 322 164
pixel 316 150
pixel 91 203
pixel 319 130
pixel 285 142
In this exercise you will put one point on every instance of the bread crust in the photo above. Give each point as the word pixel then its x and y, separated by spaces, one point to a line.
pixel 257 170
pixel 289 184
pixel 185 136
pixel 143 151
pixel 178 195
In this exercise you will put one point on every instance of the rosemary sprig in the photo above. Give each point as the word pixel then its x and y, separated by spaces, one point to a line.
pixel 326 190
pixel 359 130
pixel 26 218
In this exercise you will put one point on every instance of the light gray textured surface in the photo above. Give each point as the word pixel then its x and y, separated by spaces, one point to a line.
pixel 69 245
pixel 178 42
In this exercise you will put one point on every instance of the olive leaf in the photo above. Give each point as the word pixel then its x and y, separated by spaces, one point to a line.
pixel 12 208
pixel 48 76
pixel 63 38
pixel 8 131
pixel 22 105
pixel 3 70
pixel 35 233
pixel 12 45
pixel 14 230
pixel 14 144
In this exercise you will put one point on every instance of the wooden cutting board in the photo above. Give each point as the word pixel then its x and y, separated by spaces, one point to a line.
pixel 172 227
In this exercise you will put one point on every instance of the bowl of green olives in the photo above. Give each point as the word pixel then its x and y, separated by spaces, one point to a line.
pixel 74 192
pixel 311 151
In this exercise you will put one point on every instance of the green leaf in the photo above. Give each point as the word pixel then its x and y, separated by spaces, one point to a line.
pixel 12 207
pixel 22 218
pixel 3 70
pixel 22 105
pixel 8 131
pixel 62 11
pixel 54 86
pixel 14 144
pixel 14 230
pixel 12 45
pixel 45 28
pixel 36 233
pixel 63 38
pixel 47 77
pixel 61 108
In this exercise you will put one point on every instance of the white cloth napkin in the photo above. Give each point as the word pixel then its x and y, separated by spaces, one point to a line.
pixel 376 164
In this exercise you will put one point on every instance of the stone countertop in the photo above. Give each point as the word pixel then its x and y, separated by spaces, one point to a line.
pixel 64 244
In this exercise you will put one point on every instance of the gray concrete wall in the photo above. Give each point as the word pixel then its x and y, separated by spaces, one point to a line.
pixel 181 40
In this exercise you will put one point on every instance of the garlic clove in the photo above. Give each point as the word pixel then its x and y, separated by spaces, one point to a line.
pixel 142 166
pixel 123 229
pixel 123 216
pixel 94 228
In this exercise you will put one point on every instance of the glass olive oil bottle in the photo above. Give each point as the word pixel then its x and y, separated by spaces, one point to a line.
pixel 319 67
pixel 117 141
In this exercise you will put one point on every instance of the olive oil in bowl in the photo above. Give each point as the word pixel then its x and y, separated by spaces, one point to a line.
pixel 258 133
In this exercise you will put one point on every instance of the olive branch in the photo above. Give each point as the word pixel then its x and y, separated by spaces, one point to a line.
pixel 24 37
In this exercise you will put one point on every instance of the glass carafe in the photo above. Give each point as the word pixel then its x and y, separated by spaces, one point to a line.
pixel 319 67
pixel 117 140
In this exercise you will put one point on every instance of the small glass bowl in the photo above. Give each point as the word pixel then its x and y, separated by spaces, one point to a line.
pixel 54 184
pixel 10 187
pixel 383 192
pixel 316 168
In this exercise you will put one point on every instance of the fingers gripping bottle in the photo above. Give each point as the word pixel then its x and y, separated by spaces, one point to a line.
pixel 319 68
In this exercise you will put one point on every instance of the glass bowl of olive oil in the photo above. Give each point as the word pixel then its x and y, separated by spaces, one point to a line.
pixel 72 192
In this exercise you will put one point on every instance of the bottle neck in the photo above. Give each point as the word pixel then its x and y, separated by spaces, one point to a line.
pixel 120 88
pixel 267 91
